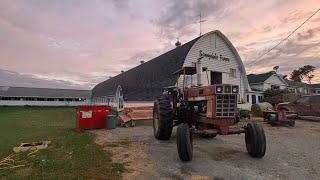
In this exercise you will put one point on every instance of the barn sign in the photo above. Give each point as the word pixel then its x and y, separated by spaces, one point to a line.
pixel 214 56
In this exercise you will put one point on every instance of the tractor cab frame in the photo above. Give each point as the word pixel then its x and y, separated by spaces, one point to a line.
pixel 206 110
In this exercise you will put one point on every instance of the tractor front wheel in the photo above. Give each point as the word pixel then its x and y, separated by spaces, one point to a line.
pixel 255 140
pixel 162 118
pixel 184 142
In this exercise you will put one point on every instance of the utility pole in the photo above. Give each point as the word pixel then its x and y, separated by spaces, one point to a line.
pixel 200 23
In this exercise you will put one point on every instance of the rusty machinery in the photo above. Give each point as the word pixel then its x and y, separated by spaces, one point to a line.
pixel 208 110
pixel 279 118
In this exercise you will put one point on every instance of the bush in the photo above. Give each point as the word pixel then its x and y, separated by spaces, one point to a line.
pixel 276 96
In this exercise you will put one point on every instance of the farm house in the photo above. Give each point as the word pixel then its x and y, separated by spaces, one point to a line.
pixel 143 83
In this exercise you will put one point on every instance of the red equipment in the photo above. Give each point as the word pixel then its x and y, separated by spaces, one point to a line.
pixel 91 117
pixel 131 114
pixel 280 118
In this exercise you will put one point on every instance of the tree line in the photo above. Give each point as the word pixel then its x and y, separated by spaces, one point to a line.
pixel 302 73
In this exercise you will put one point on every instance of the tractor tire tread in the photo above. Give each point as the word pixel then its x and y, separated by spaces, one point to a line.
pixel 184 143
pixel 165 118
pixel 261 141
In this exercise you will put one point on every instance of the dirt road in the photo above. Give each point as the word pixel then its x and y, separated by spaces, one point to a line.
pixel 292 153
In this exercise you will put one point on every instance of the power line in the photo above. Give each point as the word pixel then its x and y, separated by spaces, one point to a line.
pixel 257 59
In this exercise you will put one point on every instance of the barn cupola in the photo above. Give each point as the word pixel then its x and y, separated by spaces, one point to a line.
pixel 178 43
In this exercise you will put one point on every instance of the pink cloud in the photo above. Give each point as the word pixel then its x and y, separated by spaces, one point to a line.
pixel 87 41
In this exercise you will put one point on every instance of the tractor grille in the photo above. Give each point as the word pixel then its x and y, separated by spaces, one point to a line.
pixel 226 105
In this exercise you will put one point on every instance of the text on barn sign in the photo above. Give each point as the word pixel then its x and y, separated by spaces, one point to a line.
pixel 214 56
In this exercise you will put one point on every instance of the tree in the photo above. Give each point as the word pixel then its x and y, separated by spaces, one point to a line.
pixel 307 72
pixel 276 96
pixel 296 75
pixel 285 77
pixel 304 72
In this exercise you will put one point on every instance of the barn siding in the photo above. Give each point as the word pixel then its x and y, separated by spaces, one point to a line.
pixel 213 43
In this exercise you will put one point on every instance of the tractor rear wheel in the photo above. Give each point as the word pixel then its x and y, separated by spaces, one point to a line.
pixel 184 142
pixel 255 140
pixel 162 118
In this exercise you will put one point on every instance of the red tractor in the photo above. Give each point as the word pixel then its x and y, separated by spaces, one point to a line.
pixel 205 110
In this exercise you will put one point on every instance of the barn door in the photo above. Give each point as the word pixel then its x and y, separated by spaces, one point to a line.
pixel 119 99
pixel 216 77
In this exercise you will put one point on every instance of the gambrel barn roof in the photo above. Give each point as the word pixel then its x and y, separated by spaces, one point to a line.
pixel 145 82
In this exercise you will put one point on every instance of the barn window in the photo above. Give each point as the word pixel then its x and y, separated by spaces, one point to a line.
pixel 233 73
pixel 29 99
pixel 5 98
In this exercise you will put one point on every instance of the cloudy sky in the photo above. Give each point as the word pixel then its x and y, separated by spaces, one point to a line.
pixel 78 43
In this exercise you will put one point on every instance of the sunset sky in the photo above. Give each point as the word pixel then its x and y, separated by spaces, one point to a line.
pixel 79 43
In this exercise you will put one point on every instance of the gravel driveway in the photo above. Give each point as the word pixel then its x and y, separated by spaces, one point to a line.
pixel 292 153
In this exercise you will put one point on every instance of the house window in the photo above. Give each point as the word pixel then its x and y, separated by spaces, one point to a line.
pixel 248 98
pixel 233 73
pixel 254 100
pixel 273 87
pixel 260 98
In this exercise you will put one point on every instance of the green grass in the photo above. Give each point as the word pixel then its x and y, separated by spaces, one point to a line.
pixel 71 154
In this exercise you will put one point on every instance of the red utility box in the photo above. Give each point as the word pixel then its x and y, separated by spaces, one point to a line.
pixel 91 117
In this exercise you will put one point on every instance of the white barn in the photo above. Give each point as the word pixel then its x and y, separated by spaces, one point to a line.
pixel 222 61
pixel 142 84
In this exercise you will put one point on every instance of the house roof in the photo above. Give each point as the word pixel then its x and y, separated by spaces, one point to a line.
pixel 317 86
pixel 296 84
pixel 259 78
pixel 145 81
pixel 6 91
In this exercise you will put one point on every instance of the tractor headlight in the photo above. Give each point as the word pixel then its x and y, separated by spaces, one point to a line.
pixel 235 89
pixel 219 89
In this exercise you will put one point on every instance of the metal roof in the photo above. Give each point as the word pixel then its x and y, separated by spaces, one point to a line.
pixel 317 86
pixel 6 91
pixel 145 82
pixel 296 84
